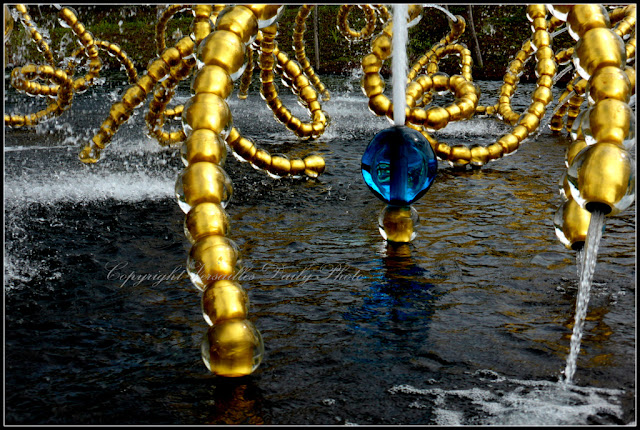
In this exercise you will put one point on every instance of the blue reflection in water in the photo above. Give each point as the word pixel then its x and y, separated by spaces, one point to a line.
pixel 397 309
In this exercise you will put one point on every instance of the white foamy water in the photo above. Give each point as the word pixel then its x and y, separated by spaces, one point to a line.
pixel 523 402
pixel 83 187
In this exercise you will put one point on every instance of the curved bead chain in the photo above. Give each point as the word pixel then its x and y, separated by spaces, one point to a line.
pixel 301 57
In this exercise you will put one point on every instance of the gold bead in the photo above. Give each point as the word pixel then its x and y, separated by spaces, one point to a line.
pixel 314 165
pixel 371 63
pixel 158 69
pixel 460 155
pixel 205 182
pixel 225 49
pixel 379 104
pixel 479 156
pixel 437 118
pixel 543 95
pixel 244 148
pixel 610 120
pixel 297 167
pixel 261 159
pixel 265 12
pixel 546 66
pixel 233 348
pixel 212 258
pixel 280 165
pixel 573 150
pixel 609 83
pixel 520 132
pixel 205 145
pixel 207 110
pixel 212 79
pixel 398 224
pixel 205 219
pixel 381 47
pixel 584 17
pixel 509 143
pixel 537 108
pixel 575 224
pixel 454 111
pixel 495 150
pixel 604 176
pixel 224 300
pixel 530 121
pixel 239 20
pixel 600 47
pixel 372 84
pixel 442 150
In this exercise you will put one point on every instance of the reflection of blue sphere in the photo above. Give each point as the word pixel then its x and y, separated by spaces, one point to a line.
pixel 399 165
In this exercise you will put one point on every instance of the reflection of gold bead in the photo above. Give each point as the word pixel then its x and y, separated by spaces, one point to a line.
pixel 223 48
pixel 610 120
pixel 205 182
pixel 584 17
pixel 314 165
pixel 207 110
pixel 609 83
pixel 573 150
pixel 232 345
pixel 213 79
pixel 239 20
pixel 604 176
pixel 600 47
pixel 213 258
pixel 224 300
pixel 206 219
pixel 205 145
pixel 575 224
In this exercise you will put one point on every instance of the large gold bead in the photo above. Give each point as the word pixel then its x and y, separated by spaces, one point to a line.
pixel 206 110
pixel 212 258
pixel 509 143
pixel 600 47
pixel 225 49
pixel 530 121
pixel 297 167
pixel 610 120
pixel 239 20
pixel 372 84
pixel 244 148
pixel 572 224
pixel 224 300
pixel 379 104
pixel 479 156
pixel 205 145
pixel 212 79
pixel 205 182
pixel 584 17
pixel 437 118
pixel 232 348
pixel 495 150
pixel 371 63
pixel 280 165
pixel 265 13
pixel 261 159
pixel 604 177
pixel 206 219
pixel 460 155
pixel 609 83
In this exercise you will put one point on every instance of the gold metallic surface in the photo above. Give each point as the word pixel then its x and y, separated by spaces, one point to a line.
pixel 600 47
pixel 584 17
pixel 205 182
pixel 214 258
pixel 610 120
pixel 398 224
pixel 231 348
pixel 605 174
pixel 609 82
pixel 223 48
pixel 575 224
pixel 224 300
pixel 204 219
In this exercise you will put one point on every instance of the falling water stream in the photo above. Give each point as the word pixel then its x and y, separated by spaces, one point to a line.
pixel 587 268
pixel 399 75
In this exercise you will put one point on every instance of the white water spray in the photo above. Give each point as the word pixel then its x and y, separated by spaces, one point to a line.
pixel 589 257
pixel 399 66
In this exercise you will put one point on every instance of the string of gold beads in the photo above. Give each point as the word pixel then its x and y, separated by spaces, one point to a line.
pixel 36 37
pixel 161 25
pixel 348 32
pixel 600 174
pixel 301 57
pixel 232 346
pixel 292 73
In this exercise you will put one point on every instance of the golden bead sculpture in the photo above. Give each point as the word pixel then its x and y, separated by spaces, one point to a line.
pixel 593 108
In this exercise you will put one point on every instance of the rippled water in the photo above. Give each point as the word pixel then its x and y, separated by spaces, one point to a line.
pixel 469 324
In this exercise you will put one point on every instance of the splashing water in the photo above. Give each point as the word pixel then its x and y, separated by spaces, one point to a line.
pixel 399 72
pixel 588 267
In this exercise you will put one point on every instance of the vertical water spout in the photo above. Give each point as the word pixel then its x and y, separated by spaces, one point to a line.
pixel 399 65
pixel 588 266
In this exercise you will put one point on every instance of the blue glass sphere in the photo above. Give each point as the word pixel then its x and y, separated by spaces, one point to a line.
pixel 399 165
